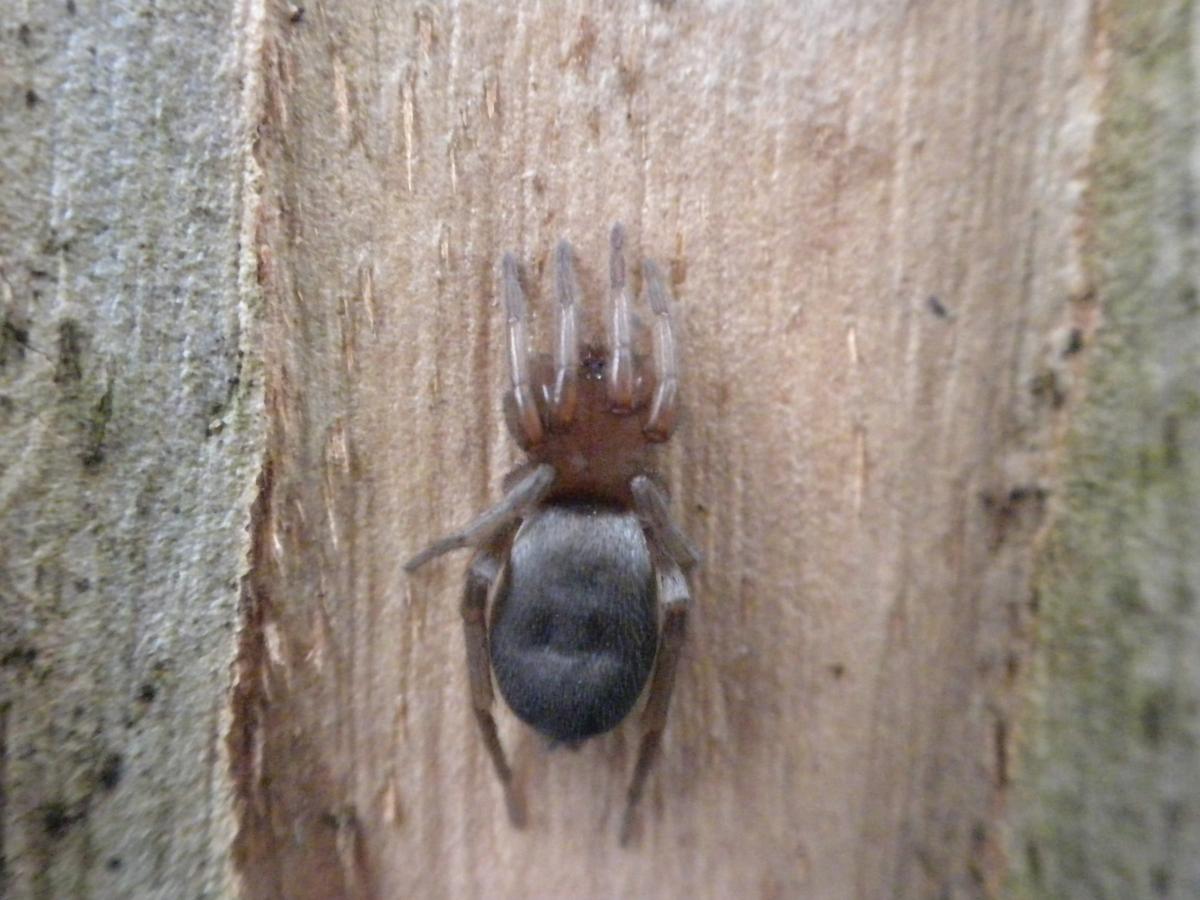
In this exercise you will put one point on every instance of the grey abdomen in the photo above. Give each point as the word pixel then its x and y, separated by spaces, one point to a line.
pixel 574 629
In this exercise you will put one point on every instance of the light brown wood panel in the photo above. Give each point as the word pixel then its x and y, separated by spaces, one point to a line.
pixel 871 216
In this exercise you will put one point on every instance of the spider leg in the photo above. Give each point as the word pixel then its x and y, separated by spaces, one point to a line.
pixel 674 597
pixel 524 494
pixel 563 393
pixel 620 327
pixel 528 417
pixel 650 501
pixel 661 421
pixel 676 557
pixel 484 568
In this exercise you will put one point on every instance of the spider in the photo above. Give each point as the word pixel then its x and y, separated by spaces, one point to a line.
pixel 588 574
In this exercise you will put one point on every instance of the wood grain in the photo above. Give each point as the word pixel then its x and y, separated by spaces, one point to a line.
pixel 871 217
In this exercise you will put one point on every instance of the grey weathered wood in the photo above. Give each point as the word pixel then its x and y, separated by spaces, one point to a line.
pixel 128 436
pixel 1108 798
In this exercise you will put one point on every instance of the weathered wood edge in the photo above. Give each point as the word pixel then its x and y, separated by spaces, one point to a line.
pixel 1105 801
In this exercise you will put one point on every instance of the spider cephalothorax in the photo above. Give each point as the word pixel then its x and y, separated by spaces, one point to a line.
pixel 589 574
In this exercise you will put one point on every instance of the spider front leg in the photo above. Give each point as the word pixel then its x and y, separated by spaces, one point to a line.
pixel 563 393
pixel 525 494
pixel 485 567
pixel 528 418
pixel 661 421
pixel 621 380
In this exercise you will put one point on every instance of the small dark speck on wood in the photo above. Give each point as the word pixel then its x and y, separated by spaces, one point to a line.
pixel 938 308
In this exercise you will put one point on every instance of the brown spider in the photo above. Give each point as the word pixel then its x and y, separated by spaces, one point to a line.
pixel 581 554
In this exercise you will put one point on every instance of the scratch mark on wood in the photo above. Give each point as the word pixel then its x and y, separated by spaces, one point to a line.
pixel 366 288
pixel 444 248
pixel 427 31
pixel 491 96
pixel 408 114
pixel 860 466
pixel 273 642
pixel 393 812
pixel 345 320
pixel 276 543
pixel 341 94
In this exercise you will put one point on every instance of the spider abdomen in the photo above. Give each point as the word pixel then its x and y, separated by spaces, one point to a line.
pixel 574 626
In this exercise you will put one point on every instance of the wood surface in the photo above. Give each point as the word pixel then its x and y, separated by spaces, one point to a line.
pixel 934 267
pixel 131 430
pixel 870 214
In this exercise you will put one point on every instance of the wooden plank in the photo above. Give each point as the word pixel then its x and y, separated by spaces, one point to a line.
pixel 1106 804
pixel 130 442
pixel 871 217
